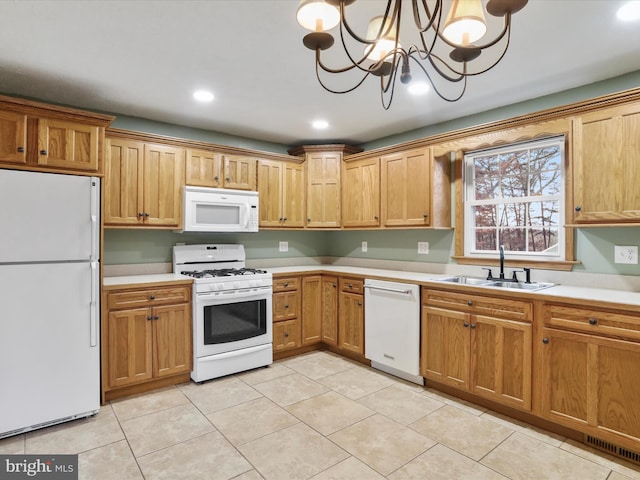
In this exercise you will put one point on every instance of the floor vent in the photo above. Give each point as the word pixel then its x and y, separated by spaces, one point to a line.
pixel 613 449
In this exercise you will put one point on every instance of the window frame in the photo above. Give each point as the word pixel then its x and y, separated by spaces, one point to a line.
pixel 469 189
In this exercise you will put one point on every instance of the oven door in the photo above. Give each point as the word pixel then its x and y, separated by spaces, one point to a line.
pixel 227 321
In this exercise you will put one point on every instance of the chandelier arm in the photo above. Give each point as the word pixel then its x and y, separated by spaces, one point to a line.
pixel 335 70
pixel 339 91
pixel 391 82
pixel 355 36
pixel 435 88
pixel 416 15
pixel 459 75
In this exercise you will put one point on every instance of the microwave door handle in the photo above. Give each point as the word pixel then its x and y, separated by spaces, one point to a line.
pixel 247 214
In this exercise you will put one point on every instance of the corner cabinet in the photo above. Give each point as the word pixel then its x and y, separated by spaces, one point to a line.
pixel 36 136
pixel 606 172
pixel 146 338
pixel 323 189
pixel 415 189
pixel 478 343
pixel 351 315
pixel 143 184
pixel 281 193
pixel 589 358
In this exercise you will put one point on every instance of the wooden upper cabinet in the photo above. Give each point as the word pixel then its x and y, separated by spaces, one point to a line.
pixel 68 145
pixel 13 137
pixel 41 137
pixel 323 189
pixel 239 172
pixel 281 193
pixel 143 184
pixel 606 165
pixel 361 193
pixel 203 168
pixel 405 188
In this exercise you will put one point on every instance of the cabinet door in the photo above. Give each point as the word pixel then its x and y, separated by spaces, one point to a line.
pixel 13 137
pixel 445 346
pixel 286 335
pixel 351 323
pixel 606 165
pixel 203 168
pixel 311 309
pixel 286 305
pixel 330 310
pixel 163 178
pixel 270 192
pixel 406 188
pixel 591 383
pixel 68 145
pixel 239 172
pixel 323 189
pixel 361 193
pixel 172 340
pixel 129 346
pixel 123 183
pixel 293 195
pixel 501 360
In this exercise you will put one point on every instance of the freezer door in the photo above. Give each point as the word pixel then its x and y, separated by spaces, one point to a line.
pixel 48 217
pixel 49 349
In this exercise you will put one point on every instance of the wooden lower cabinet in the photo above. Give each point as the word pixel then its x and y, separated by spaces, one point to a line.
pixel 330 310
pixel 147 343
pixel 591 381
pixel 287 301
pixel 311 309
pixel 487 355
pixel 351 316
pixel 286 335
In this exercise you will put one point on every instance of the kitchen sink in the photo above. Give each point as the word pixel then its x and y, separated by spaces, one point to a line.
pixel 483 282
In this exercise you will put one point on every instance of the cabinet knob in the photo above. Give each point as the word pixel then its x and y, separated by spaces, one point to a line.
pixel 359 304
pixel 216 177
pixel 284 219
pixel 473 326
pixel 149 317
pixel 152 297
pixel 578 208
pixel 465 324
pixel 226 179
pixel 470 302
pixel 156 317
pixel 308 219
pixel 286 284
pixel 545 340
pixel 140 214
pixel 286 334
pixel 425 215
pixel 286 305
pixel 146 214
pixel 350 285
pixel 280 219
pixel 375 217
pixel 593 321
pixel 20 149
pixel 43 152
pixel 335 285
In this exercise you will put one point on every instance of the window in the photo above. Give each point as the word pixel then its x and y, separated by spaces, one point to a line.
pixel 514 196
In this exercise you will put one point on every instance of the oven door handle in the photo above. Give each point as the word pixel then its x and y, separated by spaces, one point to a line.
pixel 244 294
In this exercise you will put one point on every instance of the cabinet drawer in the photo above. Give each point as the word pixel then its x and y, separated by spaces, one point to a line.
pixel 351 285
pixel 286 305
pixel 286 335
pixel 286 284
pixel 592 320
pixel 148 297
pixel 479 305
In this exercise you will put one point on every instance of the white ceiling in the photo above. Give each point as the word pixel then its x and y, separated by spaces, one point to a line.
pixel 145 58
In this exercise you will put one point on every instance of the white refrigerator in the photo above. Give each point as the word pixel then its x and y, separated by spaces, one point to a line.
pixel 49 299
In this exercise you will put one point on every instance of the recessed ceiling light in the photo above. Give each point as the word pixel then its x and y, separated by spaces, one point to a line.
pixel 320 124
pixel 629 12
pixel 203 95
pixel 418 88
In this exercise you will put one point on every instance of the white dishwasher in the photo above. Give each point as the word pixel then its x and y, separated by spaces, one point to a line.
pixel 392 328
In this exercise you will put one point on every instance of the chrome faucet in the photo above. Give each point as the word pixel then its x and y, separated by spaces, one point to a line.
pixel 501 262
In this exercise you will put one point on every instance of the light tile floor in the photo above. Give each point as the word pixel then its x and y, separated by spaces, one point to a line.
pixel 316 416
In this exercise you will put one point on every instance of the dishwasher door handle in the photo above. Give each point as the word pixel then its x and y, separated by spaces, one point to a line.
pixel 386 289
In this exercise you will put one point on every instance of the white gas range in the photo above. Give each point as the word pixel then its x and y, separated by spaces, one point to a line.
pixel 232 309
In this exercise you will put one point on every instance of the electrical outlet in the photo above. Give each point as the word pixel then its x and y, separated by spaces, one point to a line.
pixel 364 246
pixel 284 246
pixel 423 248
pixel 626 254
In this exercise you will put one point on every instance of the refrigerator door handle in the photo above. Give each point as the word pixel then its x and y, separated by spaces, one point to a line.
pixel 95 208
pixel 93 325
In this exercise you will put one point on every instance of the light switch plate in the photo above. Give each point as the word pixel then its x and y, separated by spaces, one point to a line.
pixel 364 246
pixel 423 248
pixel 284 246
pixel 626 254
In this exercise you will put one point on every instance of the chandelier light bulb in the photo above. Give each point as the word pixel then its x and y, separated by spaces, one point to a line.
pixel 465 23
pixel 317 15
pixel 385 44
pixel 629 11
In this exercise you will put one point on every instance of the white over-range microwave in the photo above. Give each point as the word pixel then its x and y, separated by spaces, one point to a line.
pixel 220 210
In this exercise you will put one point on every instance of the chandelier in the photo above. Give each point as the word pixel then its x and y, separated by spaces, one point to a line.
pixel 446 53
